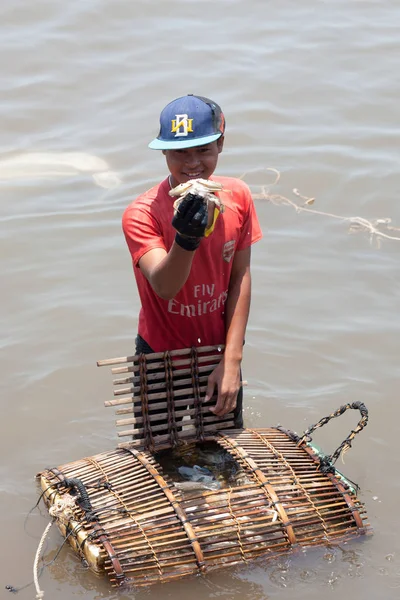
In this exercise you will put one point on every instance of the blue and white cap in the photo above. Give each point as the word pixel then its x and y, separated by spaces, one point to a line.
pixel 187 122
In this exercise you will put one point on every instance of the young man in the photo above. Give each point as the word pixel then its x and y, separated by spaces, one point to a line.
pixel 194 290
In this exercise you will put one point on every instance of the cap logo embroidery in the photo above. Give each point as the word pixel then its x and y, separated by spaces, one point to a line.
pixel 182 125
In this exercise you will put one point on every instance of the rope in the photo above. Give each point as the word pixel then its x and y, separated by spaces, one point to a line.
pixel 197 399
pixel 62 509
pixel 238 527
pixel 39 592
pixel 169 387
pixel 327 461
pixel 13 589
pixel 355 223
pixel 148 435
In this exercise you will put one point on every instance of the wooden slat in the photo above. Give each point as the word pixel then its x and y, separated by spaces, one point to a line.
pixel 156 355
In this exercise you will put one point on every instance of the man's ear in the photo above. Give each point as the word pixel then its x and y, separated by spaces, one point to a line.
pixel 163 151
pixel 220 143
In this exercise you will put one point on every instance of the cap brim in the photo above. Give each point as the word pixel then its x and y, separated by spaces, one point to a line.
pixel 157 144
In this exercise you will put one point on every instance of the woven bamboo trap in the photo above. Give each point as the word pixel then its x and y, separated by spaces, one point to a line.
pixel 126 516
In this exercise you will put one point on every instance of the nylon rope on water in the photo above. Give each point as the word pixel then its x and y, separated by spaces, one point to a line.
pixel 39 592
pixel 376 228
pixel 61 510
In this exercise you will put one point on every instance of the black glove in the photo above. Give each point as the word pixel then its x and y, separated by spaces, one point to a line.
pixel 190 221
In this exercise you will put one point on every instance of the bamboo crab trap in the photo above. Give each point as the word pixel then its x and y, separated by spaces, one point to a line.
pixel 126 517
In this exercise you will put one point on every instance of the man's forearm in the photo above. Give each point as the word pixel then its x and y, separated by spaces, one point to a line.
pixel 237 314
pixel 226 376
pixel 168 275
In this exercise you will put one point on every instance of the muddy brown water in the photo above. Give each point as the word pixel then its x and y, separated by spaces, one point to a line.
pixel 308 89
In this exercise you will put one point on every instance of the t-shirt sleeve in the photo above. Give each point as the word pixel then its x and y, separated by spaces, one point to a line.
pixel 250 230
pixel 142 230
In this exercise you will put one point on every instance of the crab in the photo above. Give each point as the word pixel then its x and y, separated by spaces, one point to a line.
pixel 201 187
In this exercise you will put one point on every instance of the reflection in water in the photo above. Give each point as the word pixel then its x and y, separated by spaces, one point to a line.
pixel 55 165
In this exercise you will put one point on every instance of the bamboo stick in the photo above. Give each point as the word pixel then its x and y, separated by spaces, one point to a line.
pixel 186 560
pixel 218 544
pixel 169 535
pixel 181 434
pixel 157 396
pixel 156 377
pixel 187 393
pixel 162 385
pixel 154 367
pixel 163 526
pixel 178 415
pixel 163 445
pixel 136 406
pixel 156 355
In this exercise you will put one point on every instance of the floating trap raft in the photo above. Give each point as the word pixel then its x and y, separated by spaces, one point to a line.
pixel 126 517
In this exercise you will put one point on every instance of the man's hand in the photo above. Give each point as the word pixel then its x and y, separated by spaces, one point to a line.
pixel 226 377
pixel 190 221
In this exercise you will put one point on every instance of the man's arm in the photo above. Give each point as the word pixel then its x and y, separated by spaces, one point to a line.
pixel 167 272
pixel 226 376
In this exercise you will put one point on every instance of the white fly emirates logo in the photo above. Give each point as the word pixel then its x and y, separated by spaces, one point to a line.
pixel 228 251
pixel 203 300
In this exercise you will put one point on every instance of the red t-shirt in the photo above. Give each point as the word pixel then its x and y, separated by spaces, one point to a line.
pixel 195 316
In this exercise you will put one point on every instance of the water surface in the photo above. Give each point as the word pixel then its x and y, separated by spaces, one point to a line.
pixel 310 90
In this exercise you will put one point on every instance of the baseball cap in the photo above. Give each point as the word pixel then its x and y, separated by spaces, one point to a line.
pixel 187 122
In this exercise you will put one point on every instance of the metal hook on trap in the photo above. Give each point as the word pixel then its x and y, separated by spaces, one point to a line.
pixel 327 461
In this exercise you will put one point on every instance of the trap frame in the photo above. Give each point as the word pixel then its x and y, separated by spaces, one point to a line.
pixel 126 518
pixel 165 396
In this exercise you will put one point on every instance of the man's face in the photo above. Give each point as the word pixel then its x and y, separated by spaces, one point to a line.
pixel 191 163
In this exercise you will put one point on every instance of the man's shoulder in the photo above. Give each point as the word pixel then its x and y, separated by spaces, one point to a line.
pixel 235 193
pixel 151 198
pixel 232 183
